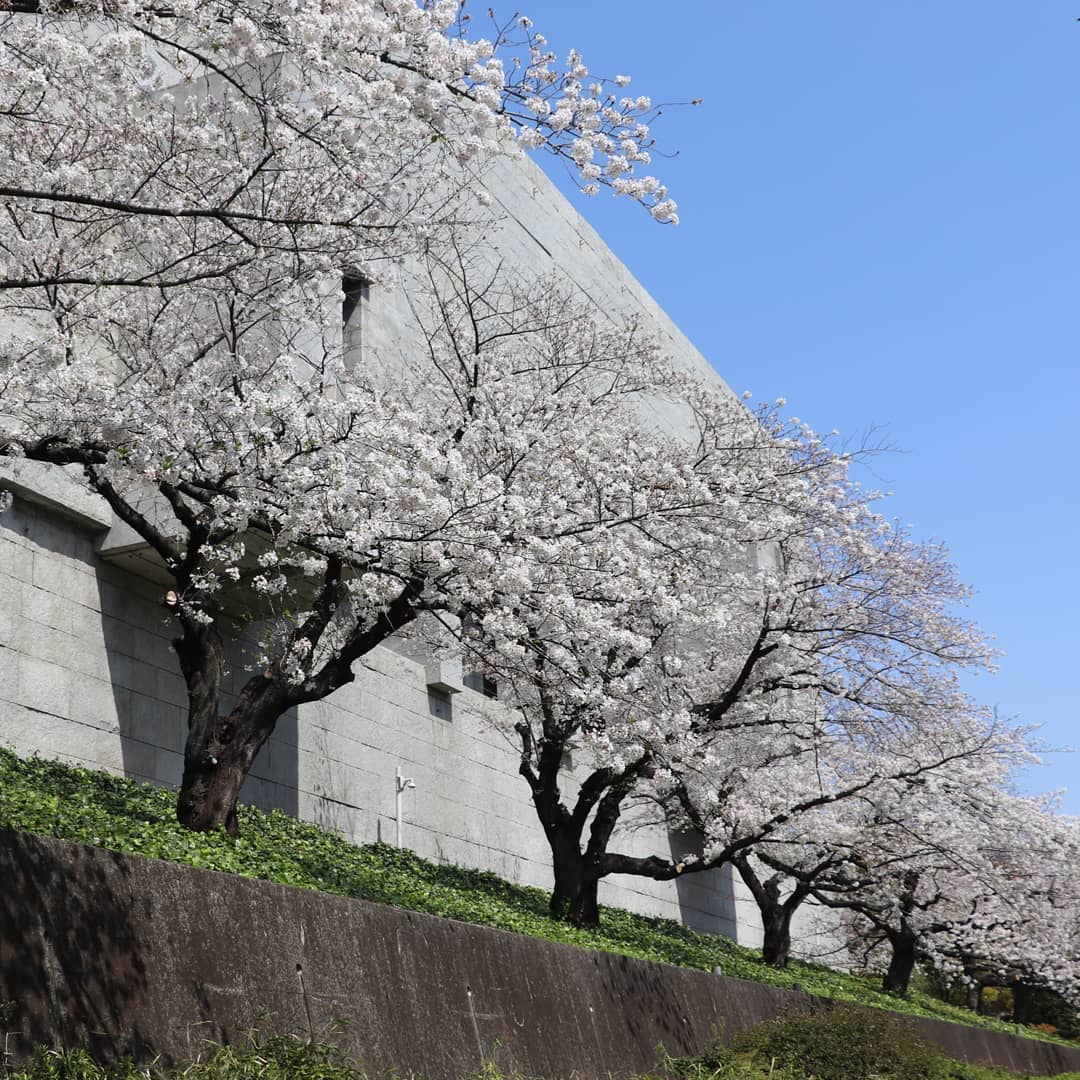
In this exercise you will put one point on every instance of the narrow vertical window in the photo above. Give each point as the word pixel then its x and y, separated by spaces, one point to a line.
pixel 355 301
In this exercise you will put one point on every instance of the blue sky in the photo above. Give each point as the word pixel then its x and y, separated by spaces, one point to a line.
pixel 879 223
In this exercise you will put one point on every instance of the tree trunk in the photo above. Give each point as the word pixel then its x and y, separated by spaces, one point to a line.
pixel 776 944
pixel 216 764
pixel 1023 1003
pixel 219 750
pixel 577 872
pixel 585 910
pixel 574 894
pixel 901 965
pixel 776 914
pixel 973 998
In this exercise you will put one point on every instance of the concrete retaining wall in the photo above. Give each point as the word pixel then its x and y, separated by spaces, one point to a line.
pixel 129 955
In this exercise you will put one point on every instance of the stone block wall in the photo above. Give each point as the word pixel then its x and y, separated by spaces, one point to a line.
pixel 86 669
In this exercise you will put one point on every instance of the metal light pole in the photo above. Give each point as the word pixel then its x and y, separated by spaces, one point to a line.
pixel 402 782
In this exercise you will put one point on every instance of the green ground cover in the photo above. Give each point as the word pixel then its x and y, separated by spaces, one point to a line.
pixel 51 798
pixel 849 1044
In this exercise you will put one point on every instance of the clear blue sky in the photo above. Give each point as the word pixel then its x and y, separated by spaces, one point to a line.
pixel 879 223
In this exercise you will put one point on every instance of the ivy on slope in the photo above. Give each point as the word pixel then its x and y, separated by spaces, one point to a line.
pixel 51 798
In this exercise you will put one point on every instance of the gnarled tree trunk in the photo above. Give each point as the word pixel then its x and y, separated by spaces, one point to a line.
pixel 577 869
pixel 776 914
pixel 219 750
pixel 776 939
pixel 574 897
pixel 574 893
pixel 216 764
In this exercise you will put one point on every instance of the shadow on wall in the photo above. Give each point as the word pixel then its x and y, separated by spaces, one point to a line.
pixel 707 899
pixel 338 792
pixel 79 973
pixel 150 695
pixel 274 780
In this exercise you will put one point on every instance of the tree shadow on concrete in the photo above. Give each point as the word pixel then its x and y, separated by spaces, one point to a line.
pixel 71 967
pixel 707 901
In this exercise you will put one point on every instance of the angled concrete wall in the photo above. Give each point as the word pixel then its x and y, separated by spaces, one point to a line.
pixel 133 956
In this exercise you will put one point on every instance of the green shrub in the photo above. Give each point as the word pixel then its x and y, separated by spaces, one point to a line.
pixel 845 1044
pixel 724 1063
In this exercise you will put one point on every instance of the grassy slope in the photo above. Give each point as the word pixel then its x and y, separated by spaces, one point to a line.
pixel 298 1059
pixel 293 1058
pixel 54 799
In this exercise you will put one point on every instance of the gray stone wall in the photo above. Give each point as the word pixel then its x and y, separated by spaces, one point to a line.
pixel 86 669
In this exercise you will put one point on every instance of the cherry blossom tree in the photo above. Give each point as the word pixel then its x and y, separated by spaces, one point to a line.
pixel 1023 932
pixel 789 650
pixel 586 677
pixel 350 504
pixel 186 187
pixel 149 145
pixel 812 854
pixel 955 872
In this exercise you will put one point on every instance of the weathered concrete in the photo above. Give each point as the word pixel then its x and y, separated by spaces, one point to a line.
pixel 60 489
pixel 129 955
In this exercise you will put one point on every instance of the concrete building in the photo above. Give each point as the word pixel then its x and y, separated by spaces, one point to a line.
pixel 87 672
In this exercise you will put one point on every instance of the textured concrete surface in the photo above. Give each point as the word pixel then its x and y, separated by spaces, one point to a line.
pixel 129 955
pixel 60 489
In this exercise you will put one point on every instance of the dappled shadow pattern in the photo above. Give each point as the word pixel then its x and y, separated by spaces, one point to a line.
pixel 70 965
